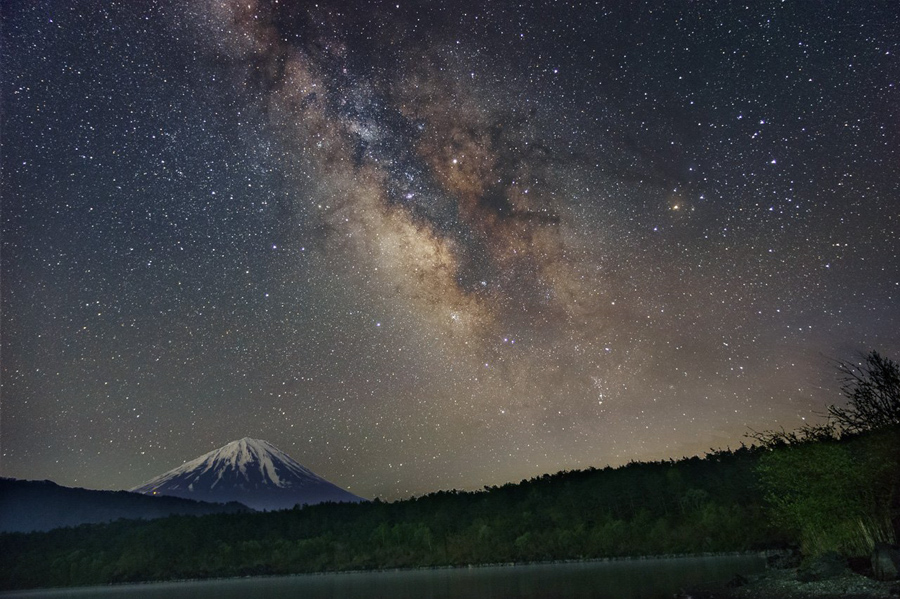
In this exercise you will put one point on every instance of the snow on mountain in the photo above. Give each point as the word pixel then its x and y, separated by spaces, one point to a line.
pixel 250 471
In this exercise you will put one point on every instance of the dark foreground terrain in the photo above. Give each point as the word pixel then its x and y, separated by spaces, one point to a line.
pixel 784 584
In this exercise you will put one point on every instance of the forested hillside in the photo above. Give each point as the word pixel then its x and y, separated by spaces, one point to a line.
pixel 827 488
pixel 693 505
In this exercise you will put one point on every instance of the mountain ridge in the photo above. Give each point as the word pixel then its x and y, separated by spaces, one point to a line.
pixel 41 505
pixel 250 471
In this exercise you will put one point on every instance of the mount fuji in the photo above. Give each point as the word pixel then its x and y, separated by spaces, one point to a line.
pixel 250 471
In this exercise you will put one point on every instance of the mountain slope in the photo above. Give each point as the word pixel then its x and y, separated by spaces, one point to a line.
pixel 250 471
pixel 31 505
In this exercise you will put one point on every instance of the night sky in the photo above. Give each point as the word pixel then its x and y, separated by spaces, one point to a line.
pixel 437 245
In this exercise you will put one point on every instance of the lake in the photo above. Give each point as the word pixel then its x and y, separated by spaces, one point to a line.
pixel 625 579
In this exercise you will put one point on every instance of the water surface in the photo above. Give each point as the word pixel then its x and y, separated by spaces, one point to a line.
pixel 628 579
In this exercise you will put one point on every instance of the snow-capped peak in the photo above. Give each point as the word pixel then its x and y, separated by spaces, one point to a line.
pixel 251 471
pixel 243 456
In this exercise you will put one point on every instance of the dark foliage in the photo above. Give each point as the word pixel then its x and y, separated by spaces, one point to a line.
pixel 693 505
pixel 835 495
pixel 836 485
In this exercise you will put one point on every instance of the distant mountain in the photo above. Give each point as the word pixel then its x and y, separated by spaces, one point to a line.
pixel 250 471
pixel 31 505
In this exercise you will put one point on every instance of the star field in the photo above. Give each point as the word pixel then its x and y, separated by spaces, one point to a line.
pixel 437 245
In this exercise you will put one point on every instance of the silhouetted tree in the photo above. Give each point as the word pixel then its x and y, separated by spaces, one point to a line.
pixel 772 439
pixel 873 392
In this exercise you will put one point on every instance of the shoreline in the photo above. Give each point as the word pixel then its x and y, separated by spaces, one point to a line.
pixel 771 583
pixel 632 558
pixel 784 584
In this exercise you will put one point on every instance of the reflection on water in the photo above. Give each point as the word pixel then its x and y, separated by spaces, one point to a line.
pixel 632 579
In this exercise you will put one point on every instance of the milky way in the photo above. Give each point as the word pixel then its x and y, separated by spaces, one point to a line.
pixel 421 247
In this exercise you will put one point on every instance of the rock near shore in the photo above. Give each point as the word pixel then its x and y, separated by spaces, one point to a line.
pixel 886 561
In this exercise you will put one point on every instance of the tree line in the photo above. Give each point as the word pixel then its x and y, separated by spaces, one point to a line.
pixel 832 487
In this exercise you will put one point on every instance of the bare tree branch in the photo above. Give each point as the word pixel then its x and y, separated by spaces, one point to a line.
pixel 872 389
